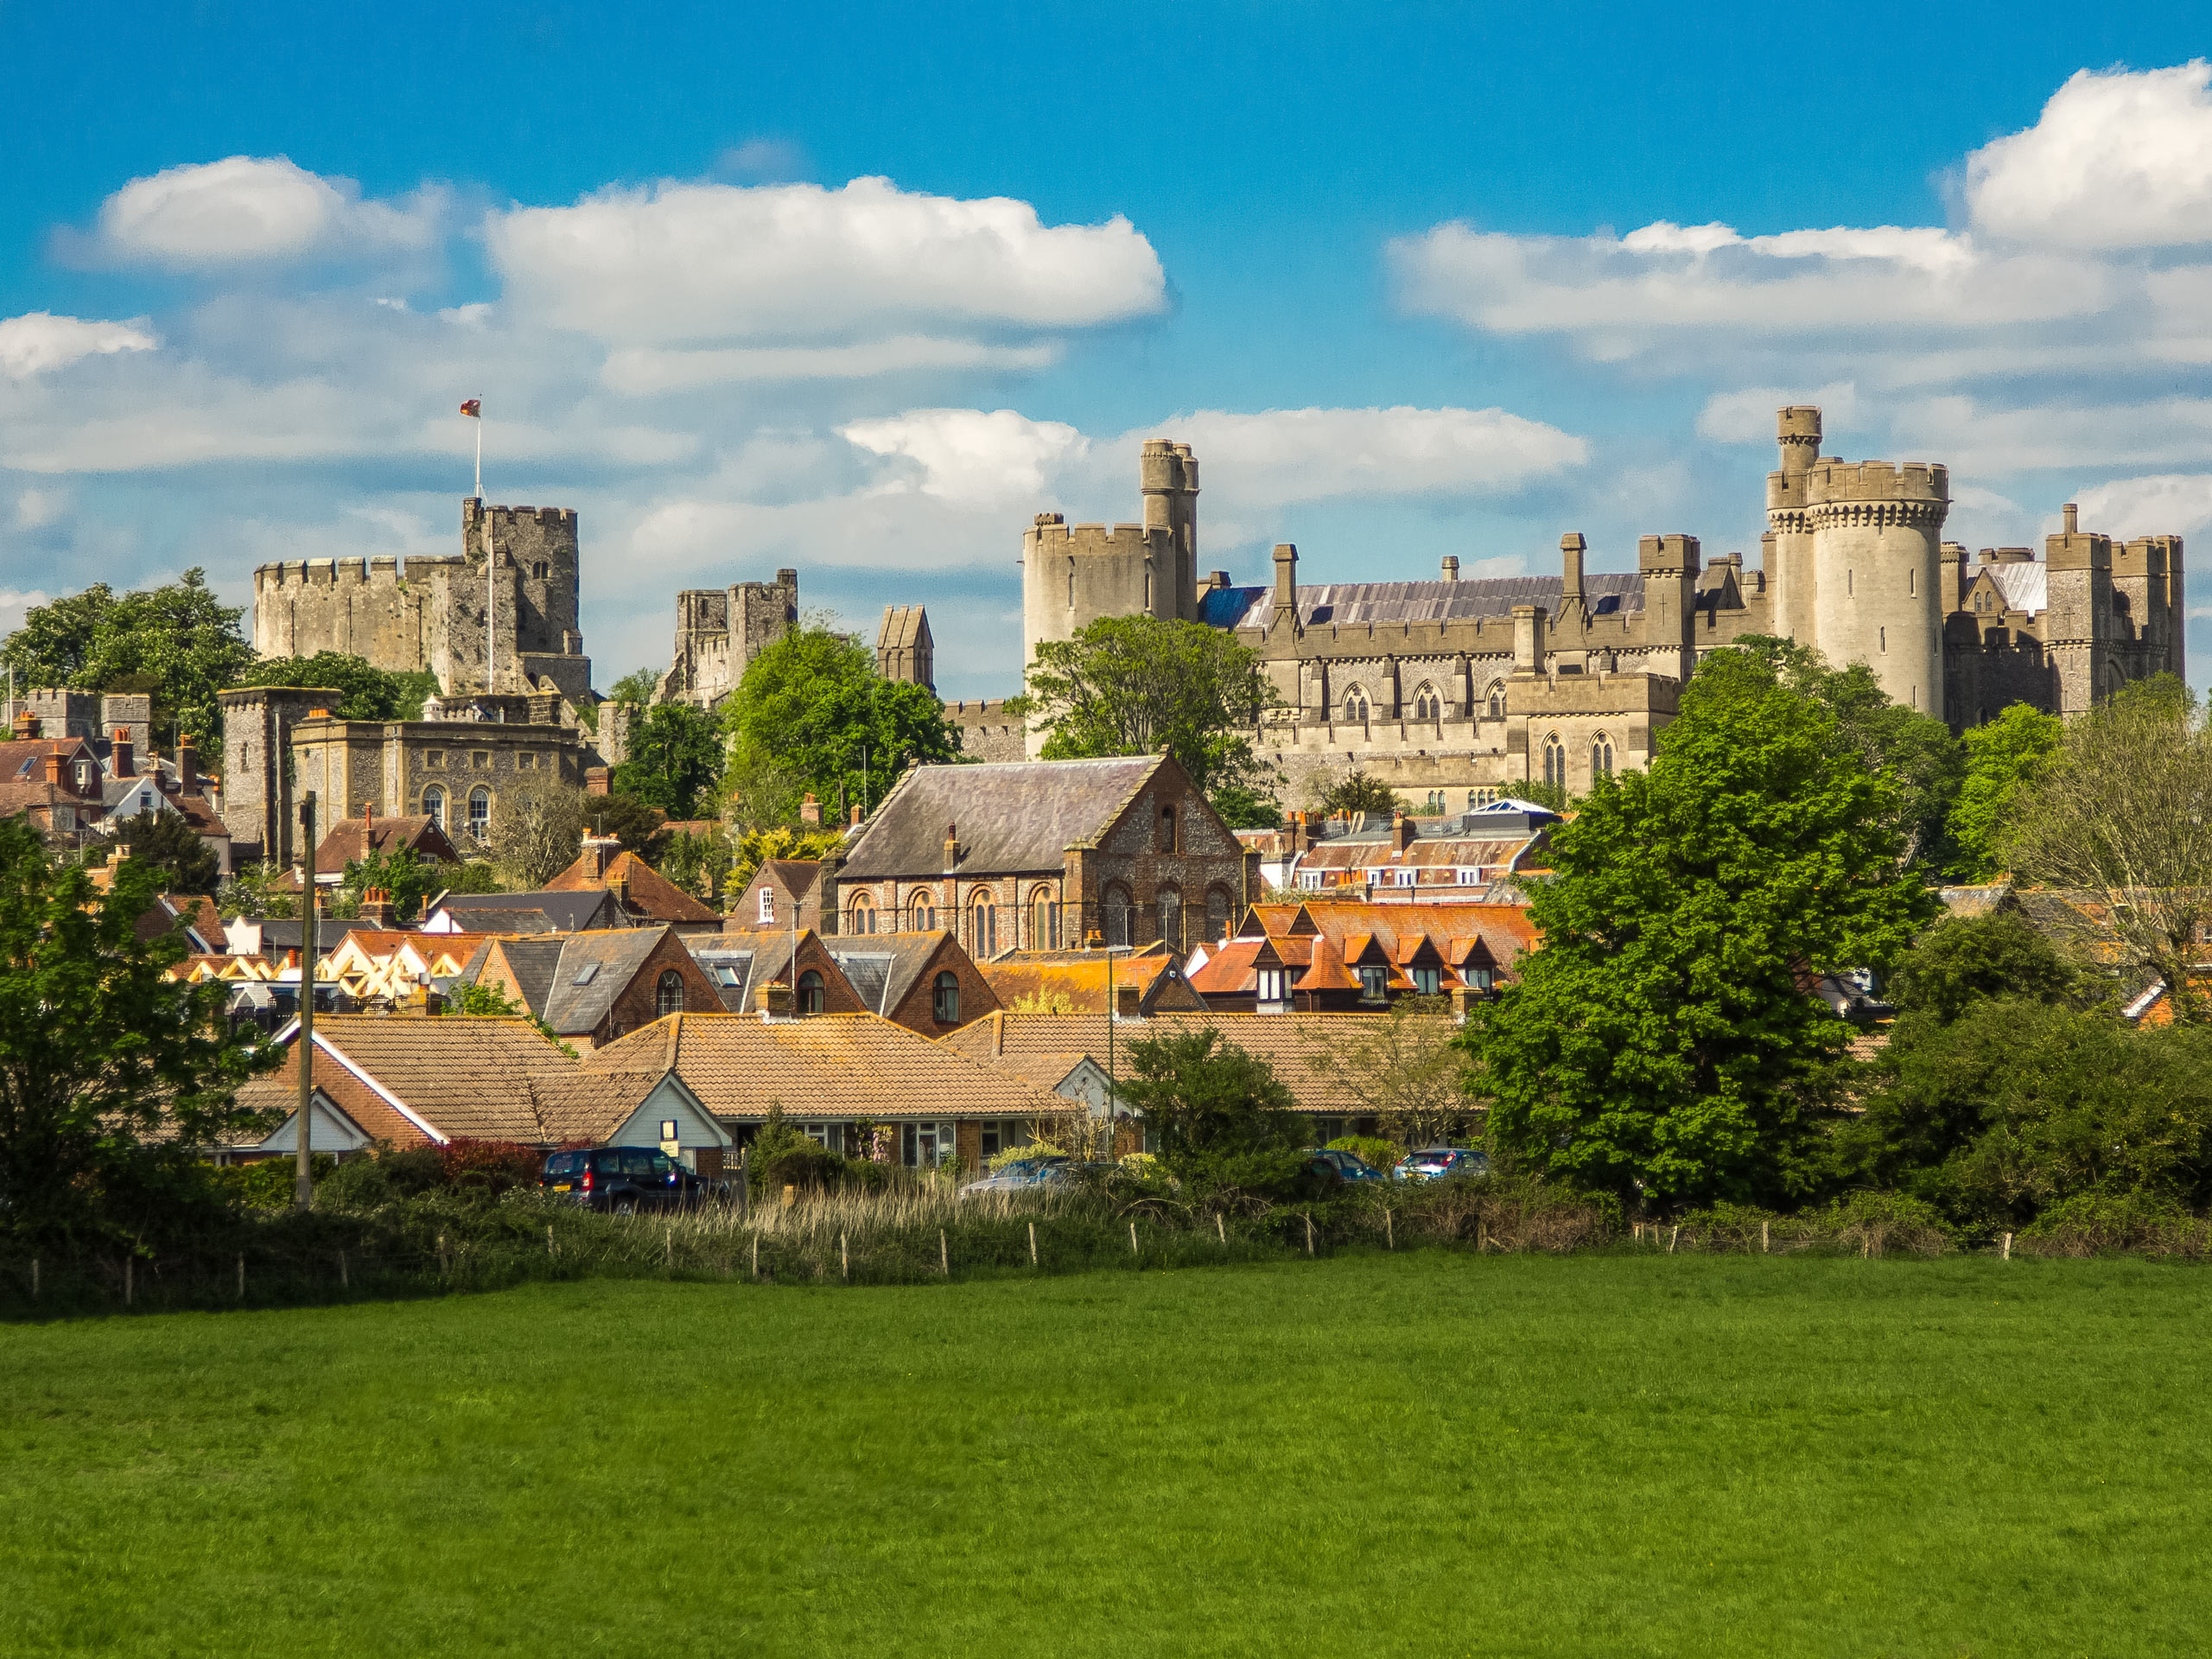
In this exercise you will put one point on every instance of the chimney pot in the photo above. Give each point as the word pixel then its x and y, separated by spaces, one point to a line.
pixel 810 811
pixel 1451 567
pixel 2073 511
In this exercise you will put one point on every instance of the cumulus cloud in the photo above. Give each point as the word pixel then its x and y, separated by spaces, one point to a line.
pixel 253 207
pixel 971 455
pixel 1747 417
pixel 2117 160
pixel 646 370
pixel 39 340
pixel 675 263
pixel 2177 503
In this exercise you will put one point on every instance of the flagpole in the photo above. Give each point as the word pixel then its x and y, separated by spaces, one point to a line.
pixel 480 457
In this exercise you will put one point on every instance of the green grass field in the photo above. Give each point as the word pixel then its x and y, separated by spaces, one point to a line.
pixel 1425 1453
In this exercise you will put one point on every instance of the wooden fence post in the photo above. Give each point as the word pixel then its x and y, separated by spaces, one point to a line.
pixel 943 1254
pixel 1763 1237
pixel 1671 1240
pixel 1309 1233
pixel 345 1278
pixel 1032 1243
pixel 2007 1254
pixel 668 1259
pixel 844 1260
pixel 1133 1238
pixel 1220 1231
pixel 744 1183
pixel 35 1277
pixel 756 1257
pixel 548 1240
pixel 1389 1232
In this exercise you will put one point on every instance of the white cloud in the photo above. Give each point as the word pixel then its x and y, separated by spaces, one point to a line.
pixel 971 455
pixel 1287 456
pixel 2117 160
pixel 250 207
pixel 14 603
pixel 35 509
pixel 39 340
pixel 1748 416
pixel 672 263
pixel 2179 503
pixel 647 370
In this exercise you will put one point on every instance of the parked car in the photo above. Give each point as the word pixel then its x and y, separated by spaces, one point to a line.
pixel 1347 1166
pixel 623 1181
pixel 1434 1163
pixel 1044 1170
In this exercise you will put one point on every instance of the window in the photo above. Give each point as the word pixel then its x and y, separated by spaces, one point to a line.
pixel 1426 979
pixel 1171 917
pixel 1850 581
pixel 1271 984
pixel 1469 875
pixel 1554 762
pixel 1310 880
pixel 1167 830
pixel 526 762
pixel 1601 756
pixel 480 760
pixel 924 1146
pixel 1044 921
pixel 1217 914
pixel 944 999
pixel 668 994
pixel 982 930
pixel 434 758
pixel 863 914
pixel 479 812
pixel 585 974
pixel 1981 602
pixel 1884 634
pixel 926 914
pixel 1117 908
pixel 1912 582
pixel 811 997
pixel 434 805
pixel 539 570
pixel 1374 982
pixel 1405 878
pixel 767 903
pixel 1356 706
pixel 1426 704
pixel 1496 699
pixel 1070 584
pixel 1147 587
pixel 1481 978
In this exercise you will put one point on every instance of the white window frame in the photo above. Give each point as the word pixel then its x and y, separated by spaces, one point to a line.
pixel 767 903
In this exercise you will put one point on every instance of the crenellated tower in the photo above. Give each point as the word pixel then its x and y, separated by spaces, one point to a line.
pixel 1877 553
pixel 1787 548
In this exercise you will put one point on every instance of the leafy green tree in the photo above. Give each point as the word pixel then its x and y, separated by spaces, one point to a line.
pixel 756 847
pixel 177 641
pixel 2002 755
pixel 1916 751
pixel 808 710
pixel 1963 959
pixel 641 830
pixel 1406 1067
pixel 2118 814
pixel 1356 793
pixel 257 890
pixel 696 864
pixel 369 692
pixel 1135 684
pixel 1220 1117
pixel 166 841
pixel 636 688
pixel 675 761
pixel 1663 1043
pixel 408 879
pixel 113 1078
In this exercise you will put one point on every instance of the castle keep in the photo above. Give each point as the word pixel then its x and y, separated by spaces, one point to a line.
pixel 1465 691
pixel 499 617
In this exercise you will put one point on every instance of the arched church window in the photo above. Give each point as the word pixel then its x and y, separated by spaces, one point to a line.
pixel 1601 756
pixel 434 806
pixel 1554 762
pixel 1426 704
pixel 1356 706
pixel 1496 699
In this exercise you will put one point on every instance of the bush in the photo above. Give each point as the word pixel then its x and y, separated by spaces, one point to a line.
pixel 270 1183
pixel 2091 1224
pixel 1878 1223
pixel 488 1167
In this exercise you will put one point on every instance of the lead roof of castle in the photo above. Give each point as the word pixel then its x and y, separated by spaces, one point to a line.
pixel 1012 815
pixel 2026 588
pixel 1355 604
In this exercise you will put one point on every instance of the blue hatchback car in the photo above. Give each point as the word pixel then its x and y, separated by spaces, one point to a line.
pixel 1349 1166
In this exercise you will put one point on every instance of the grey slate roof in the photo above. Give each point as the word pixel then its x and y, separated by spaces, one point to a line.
pixel 1013 815
pixel 737 972
pixel 614 957
pixel 535 963
pixel 1357 603
pixel 882 967
pixel 510 912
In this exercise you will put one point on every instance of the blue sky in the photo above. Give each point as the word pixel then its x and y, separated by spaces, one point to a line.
pixel 1414 280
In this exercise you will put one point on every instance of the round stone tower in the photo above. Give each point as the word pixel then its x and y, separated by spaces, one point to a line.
pixel 1877 540
pixel 1789 552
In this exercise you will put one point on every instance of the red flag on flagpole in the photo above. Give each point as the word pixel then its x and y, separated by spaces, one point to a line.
pixel 474 406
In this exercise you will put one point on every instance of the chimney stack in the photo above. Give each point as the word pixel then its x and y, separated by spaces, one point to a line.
pixel 951 846
pixel 52 768
pixel 188 765
pixel 1403 831
pixel 1451 567
pixel 856 815
pixel 601 850
pixel 809 811
pixel 376 908
pixel 2073 512
pixel 120 756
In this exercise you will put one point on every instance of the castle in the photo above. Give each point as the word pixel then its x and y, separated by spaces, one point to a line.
pixel 719 631
pixel 500 617
pixel 1463 691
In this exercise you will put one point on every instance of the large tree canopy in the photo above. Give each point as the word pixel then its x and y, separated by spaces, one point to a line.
pixel 2003 755
pixel 113 1078
pixel 813 715
pixel 178 642
pixel 674 761
pixel 1134 684
pixel 1663 1043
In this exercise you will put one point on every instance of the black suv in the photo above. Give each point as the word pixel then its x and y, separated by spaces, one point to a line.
pixel 625 1179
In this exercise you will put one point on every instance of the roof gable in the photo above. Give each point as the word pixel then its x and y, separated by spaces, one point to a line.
pixel 1016 814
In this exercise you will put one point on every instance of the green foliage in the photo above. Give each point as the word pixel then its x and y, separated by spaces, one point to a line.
pixel 636 688
pixel 177 641
pixel 1916 752
pixel 695 863
pixel 408 879
pixel 809 708
pixel 1552 796
pixel 1662 1045
pixel 782 1156
pixel 756 847
pixel 476 875
pixel 2002 755
pixel 255 890
pixel 676 761
pixel 642 829
pixel 111 1075
pixel 1963 959
pixel 369 692
pixel 1354 795
pixel 1382 1154
pixel 485 1000
pixel 167 843
pixel 1135 684
pixel 2017 1105
pixel 1222 1119
pixel 269 1184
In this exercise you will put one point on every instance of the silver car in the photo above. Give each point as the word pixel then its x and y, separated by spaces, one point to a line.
pixel 1019 1176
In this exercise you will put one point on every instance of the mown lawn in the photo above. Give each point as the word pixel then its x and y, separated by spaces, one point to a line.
pixel 1425 1453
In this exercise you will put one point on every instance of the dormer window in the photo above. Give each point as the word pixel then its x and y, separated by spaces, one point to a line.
pixel 767 904
pixel 1427 981
pixel 1374 982
pixel 1271 984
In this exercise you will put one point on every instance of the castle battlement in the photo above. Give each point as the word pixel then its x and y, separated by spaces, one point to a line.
pixel 1077 541
pixel 1830 480
pixel 383 570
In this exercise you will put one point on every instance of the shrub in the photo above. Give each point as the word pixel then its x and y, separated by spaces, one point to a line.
pixel 2090 1224
pixel 270 1183
pixel 1878 1223
pixel 488 1167
pixel 1373 1150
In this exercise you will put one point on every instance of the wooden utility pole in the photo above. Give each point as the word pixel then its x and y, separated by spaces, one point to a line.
pixel 304 1123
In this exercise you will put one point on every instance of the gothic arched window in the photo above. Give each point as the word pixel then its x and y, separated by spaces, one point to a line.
pixel 982 930
pixel 668 994
pixel 434 806
pixel 1554 762
pixel 479 812
pixel 1496 699
pixel 1217 914
pixel 1356 706
pixel 1118 911
pixel 1426 704
pixel 1171 917
pixel 1601 756
pixel 811 997
pixel 1044 921
pixel 925 912
pixel 863 914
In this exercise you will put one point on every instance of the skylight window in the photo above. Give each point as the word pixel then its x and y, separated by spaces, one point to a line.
pixel 586 974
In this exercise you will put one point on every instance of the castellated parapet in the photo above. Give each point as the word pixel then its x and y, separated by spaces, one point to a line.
pixel 719 631
pixel 1876 551
pixel 512 627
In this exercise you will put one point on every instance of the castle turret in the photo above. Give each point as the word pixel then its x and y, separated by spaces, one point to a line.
pixel 1169 477
pixel 1877 532
pixel 1670 565
pixel 1787 548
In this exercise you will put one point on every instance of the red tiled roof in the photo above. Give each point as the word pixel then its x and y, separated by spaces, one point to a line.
pixel 648 892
